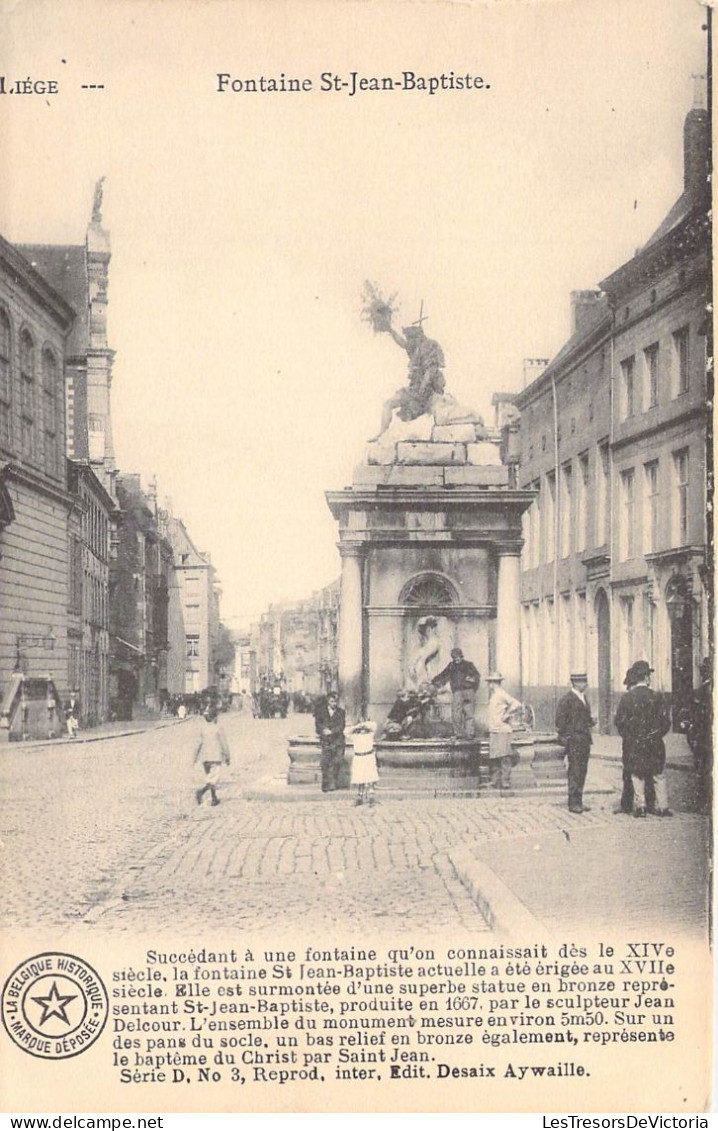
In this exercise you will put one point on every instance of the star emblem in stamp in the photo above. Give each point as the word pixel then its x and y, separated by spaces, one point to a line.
pixel 54 1005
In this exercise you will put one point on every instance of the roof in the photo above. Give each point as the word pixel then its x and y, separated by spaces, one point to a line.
pixel 182 544
pixel 677 214
pixel 36 282
pixel 77 470
pixel 64 267
pixel 593 317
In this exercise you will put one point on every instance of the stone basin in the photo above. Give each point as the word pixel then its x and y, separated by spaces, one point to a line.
pixel 428 753
pixel 406 762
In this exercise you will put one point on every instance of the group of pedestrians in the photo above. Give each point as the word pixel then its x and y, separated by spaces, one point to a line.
pixel 330 722
pixel 642 721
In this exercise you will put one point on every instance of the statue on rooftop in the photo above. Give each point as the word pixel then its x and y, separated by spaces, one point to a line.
pixel 97 202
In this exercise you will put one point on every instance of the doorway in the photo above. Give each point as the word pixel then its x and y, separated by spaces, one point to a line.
pixel 680 615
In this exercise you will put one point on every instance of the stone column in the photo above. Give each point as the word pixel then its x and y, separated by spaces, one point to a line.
pixel 350 636
pixel 508 615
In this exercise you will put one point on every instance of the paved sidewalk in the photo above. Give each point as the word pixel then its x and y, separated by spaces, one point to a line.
pixel 100 733
pixel 634 874
pixel 621 873
pixel 107 836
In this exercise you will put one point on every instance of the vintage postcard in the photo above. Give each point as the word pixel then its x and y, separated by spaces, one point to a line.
pixel 356 576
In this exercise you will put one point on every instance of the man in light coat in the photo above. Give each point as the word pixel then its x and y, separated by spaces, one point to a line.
pixel 505 716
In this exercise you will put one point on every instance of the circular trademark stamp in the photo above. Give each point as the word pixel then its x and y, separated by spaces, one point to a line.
pixel 54 1005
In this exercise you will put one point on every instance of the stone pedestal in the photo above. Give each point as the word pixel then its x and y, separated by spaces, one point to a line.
pixel 429 540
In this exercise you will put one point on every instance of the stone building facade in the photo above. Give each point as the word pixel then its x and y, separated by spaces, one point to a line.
pixel 140 576
pixel 34 501
pixel 89 550
pixel 198 594
pixel 613 444
pixel 297 643
pixel 79 272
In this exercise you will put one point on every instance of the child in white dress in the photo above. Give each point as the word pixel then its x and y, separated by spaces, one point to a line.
pixel 364 769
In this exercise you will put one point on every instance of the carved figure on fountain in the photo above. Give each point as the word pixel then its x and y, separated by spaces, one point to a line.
pixel 424 398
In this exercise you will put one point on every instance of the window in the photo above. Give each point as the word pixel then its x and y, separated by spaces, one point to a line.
pixel 579 640
pixel 550 513
pixel 627 641
pixel 564 638
pixel 566 516
pixel 27 403
pixel 650 512
pixel 650 369
pixel 627 528
pixel 680 506
pixel 75 604
pixel 49 390
pixel 548 644
pixel 535 636
pixel 5 378
pixel 602 515
pixel 191 586
pixel 680 361
pixel 628 369
pixel 428 589
pixel 649 628
pixel 527 642
pixel 192 612
pixel 192 643
pixel 535 516
pixel 582 504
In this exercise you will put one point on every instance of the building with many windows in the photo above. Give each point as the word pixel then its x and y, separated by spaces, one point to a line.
pixel 198 595
pixel 140 575
pixel 34 500
pixel 88 630
pixel 613 443
pixel 79 272
pixel 297 643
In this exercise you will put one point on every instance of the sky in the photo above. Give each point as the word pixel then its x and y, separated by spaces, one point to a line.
pixel 243 226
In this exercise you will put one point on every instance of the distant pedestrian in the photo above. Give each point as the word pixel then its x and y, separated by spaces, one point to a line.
pixel 72 713
pixel 573 723
pixel 642 721
pixel 182 710
pixel 505 716
pixel 463 678
pixel 330 721
pixel 365 774
pixel 211 754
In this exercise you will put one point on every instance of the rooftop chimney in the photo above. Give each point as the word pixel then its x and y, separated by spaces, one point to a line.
pixel 583 303
pixel 696 166
pixel 533 367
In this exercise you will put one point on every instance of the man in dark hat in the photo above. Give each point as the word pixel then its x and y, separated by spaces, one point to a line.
pixel 463 678
pixel 573 723
pixel 642 722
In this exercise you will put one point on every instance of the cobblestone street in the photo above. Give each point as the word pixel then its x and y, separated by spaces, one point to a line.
pixel 107 835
